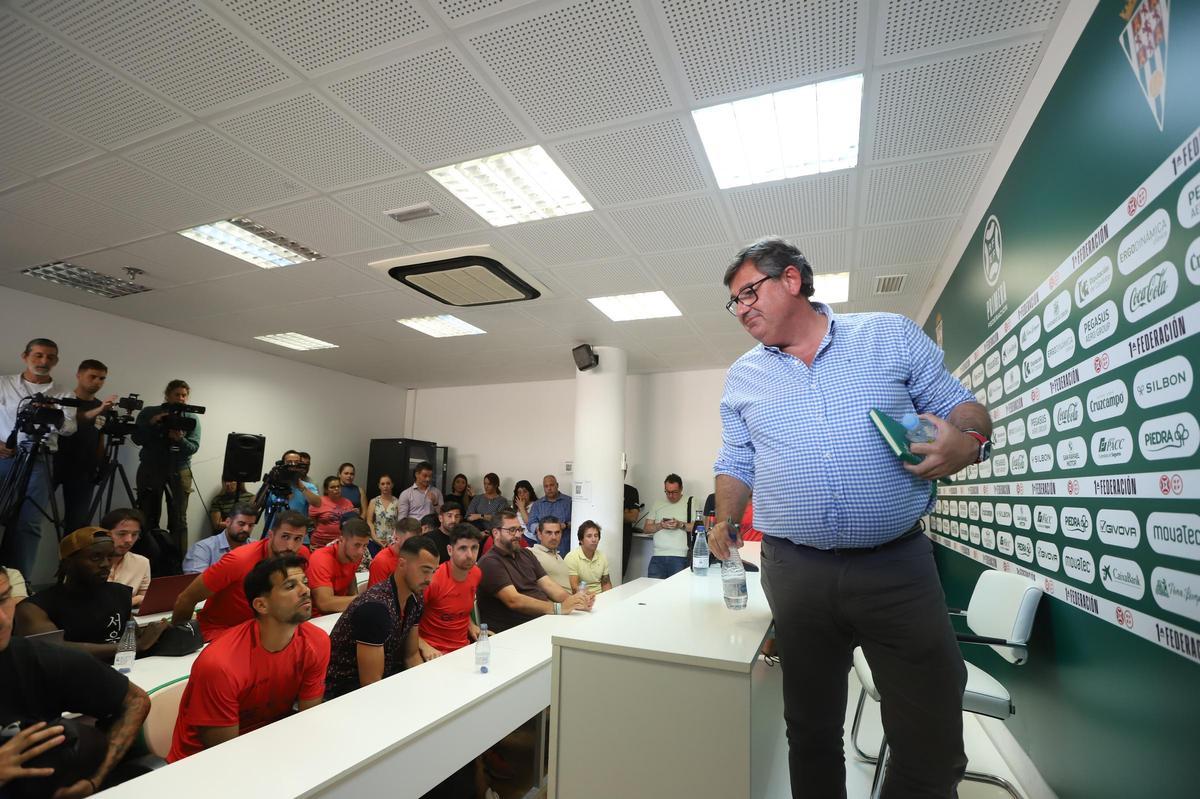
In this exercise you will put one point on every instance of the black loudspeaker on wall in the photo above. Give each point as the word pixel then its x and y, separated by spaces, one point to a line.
pixel 244 457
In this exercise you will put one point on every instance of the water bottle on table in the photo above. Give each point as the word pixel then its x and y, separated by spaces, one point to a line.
pixel 733 575
pixel 126 648
pixel 700 547
pixel 483 650
pixel 919 431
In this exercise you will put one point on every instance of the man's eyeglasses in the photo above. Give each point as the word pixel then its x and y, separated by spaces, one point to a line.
pixel 513 530
pixel 747 296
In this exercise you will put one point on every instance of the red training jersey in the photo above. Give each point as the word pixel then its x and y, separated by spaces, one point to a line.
pixel 227 607
pixel 236 681
pixel 448 606
pixel 324 569
pixel 383 566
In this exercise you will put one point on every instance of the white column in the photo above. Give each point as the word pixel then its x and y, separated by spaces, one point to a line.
pixel 598 490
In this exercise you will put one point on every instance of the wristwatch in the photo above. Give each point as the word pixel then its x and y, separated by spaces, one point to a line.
pixel 985 444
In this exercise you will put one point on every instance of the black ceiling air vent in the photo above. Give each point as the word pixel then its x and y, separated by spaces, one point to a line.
pixel 464 277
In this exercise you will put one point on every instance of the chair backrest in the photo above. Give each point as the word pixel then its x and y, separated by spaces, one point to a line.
pixel 1003 606
pixel 159 727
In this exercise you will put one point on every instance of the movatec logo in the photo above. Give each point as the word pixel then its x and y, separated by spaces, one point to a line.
pixel 1045 520
pixel 1174 436
pixel 1174 534
pixel 1076 523
pixel 1094 282
pixel 1060 348
pixel 1112 446
pixel 1047 555
pixel 1122 576
pixel 1176 591
pixel 1167 381
pixel 1098 325
pixel 1118 528
pixel 1078 564
pixel 1151 291
pixel 1107 401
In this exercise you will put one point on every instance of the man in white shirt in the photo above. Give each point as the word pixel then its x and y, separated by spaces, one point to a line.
pixel 22 534
pixel 124 526
pixel 668 521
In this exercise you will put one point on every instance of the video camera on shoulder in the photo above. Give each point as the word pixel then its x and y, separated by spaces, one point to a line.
pixel 175 419
pixel 283 477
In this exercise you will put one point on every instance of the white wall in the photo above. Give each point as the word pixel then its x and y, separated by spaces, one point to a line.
pixel 672 424
pixel 296 406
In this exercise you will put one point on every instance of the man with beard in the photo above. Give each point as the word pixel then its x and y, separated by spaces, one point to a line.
pixel 257 670
pixel 446 623
pixel 207 551
pixel 91 611
pixel 221 583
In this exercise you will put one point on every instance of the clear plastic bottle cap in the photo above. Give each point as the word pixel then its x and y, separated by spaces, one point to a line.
pixel 910 420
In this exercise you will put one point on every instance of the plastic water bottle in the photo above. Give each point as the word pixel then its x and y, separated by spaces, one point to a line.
pixel 700 548
pixel 733 576
pixel 483 650
pixel 582 589
pixel 127 648
pixel 920 431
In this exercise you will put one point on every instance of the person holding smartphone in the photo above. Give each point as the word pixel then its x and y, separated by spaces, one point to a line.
pixel 669 522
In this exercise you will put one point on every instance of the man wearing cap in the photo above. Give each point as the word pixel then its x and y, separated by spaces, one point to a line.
pixel 90 611
pixel 633 511
pixel 220 585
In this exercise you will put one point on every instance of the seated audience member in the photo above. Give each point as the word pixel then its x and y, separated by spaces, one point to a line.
pixel 329 515
pixel 221 583
pixel 668 521
pixel 20 591
pixel 552 503
pixel 586 563
pixel 429 523
pixel 124 527
pixel 421 498
pixel 239 523
pixel 233 494
pixel 90 610
pixel 550 533
pixel 351 491
pixel 460 491
pixel 381 514
pixel 515 588
pixel 332 568
pixel 446 622
pixel 482 506
pixel 39 680
pixel 385 562
pixel 254 673
pixel 448 519
pixel 522 502
pixel 376 636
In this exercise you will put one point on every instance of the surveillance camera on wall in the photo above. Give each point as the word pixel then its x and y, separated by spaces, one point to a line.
pixel 585 358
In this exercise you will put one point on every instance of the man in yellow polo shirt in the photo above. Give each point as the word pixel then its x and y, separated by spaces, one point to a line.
pixel 586 563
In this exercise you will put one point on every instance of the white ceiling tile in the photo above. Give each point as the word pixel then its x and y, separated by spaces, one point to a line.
pixel 604 278
pixel 324 226
pixel 704 267
pixel 361 259
pixel 733 46
pixel 176 47
pixel 308 137
pixel 599 67
pixel 119 184
pixel 566 239
pixel 965 101
pixel 459 12
pixel 325 278
pixel 35 146
pixel 826 252
pixel 706 301
pixel 671 225
pixel 716 321
pixel 906 244
pixel 113 262
pixel 820 202
pixel 182 260
pixel 453 217
pixel 922 189
pixel 27 242
pixel 316 35
pixel 911 27
pixel 208 165
pixel 386 305
pixel 637 163
pixel 53 206
pixel 11 176
pixel 432 106
pixel 44 77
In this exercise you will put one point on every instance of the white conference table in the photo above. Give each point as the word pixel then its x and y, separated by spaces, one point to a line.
pixel 400 736
pixel 150 618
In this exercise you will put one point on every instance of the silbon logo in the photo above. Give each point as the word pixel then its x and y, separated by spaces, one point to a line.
pixel 1076 523
pixel 1078 564
pixel 1098 325
pixel 1122 576
pixel 1151 292
pixel 1071 453
pixel 1057 311
pixel 1160 383
pixel 1174 436
pixel 1118 528
pixel 1174 534
pixel 1060 348
pixel 1041 458
pixel 1107 401
pixel 1177 592
pixel 1068 414
pixel 1112 446
pixel 1047 556
pixel 1094 282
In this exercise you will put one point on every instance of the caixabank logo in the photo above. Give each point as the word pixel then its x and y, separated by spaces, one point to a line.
pixel 1122 576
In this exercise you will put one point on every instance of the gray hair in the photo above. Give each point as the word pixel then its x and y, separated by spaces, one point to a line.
pixel 772 255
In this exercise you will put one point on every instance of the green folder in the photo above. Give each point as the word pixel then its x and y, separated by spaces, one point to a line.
pixel 894 435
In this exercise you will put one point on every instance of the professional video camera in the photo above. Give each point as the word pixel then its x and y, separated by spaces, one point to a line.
pixel 175 419
pixel 115 423
pixel 283 477
pixel 39 414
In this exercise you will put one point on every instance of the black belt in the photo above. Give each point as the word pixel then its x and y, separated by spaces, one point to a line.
pixel 914 531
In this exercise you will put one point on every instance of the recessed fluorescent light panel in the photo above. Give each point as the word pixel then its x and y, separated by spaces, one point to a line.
pixel 785 134
pixel 832 287
pixel 627 307
pixel 297 341
pixel 80 277
pixel 514 187
pixel 251 242
pixel 443 326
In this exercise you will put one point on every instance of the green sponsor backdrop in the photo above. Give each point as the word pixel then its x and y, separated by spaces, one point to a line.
pixel 1108 702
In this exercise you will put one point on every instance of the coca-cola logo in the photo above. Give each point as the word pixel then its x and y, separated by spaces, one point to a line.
pixel 1151 292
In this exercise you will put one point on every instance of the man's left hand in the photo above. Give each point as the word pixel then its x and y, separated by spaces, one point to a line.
pixel 175 435
pixel 74 790
pixel 947 454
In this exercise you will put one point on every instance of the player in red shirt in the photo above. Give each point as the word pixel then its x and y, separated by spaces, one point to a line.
pixel 385 562
pixel 257 670
pixel 331 569
pixel 221 583
pixel 446 623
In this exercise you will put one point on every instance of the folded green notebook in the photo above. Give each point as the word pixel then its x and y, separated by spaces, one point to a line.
pixel 894 434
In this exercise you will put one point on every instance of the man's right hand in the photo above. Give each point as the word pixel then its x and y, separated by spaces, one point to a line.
pixel 718 540
pixel 5 452
pixel 577 602
pixel 25 746
pixel 149 634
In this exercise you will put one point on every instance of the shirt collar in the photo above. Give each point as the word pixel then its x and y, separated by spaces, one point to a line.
pixel 825 311
pixel 543 548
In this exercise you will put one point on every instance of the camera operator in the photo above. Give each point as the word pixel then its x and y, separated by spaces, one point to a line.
pixel 169 434
pixel 286 484
pixel 79 455
pixel 21 536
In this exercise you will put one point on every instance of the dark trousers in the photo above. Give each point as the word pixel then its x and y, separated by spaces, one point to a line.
pixel 890 602
pixel 150 487
pixel 77 502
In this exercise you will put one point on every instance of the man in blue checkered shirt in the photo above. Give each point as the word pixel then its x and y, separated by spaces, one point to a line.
pixel 844 563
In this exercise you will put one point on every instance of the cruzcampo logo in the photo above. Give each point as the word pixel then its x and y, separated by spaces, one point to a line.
pixel 1144 41
pixel 993 250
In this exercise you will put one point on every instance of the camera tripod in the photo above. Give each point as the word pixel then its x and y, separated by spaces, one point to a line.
pixel 106 481
pixel 15 488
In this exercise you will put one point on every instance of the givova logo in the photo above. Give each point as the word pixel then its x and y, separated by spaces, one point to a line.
pixel 1174 436
pixel 1076 523
pixel 1047 555
pixel 1177 592
pixel 1163 382
pixel 1118 528
pixel 1122 576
